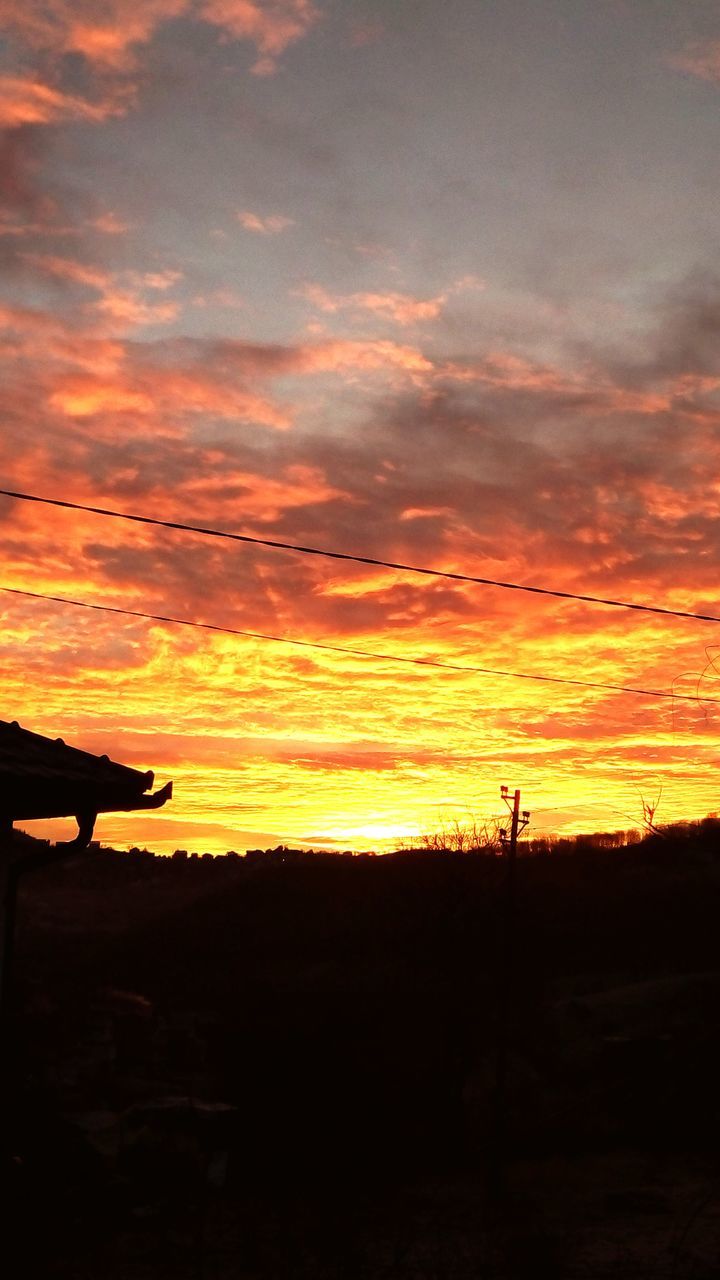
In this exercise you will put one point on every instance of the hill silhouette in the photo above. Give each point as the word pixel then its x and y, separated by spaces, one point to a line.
pixel 342 1013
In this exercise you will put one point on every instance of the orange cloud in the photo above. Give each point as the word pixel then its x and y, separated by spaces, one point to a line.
pixel 271 225
pixel 87 373
pixel 399 307
pixel 68 269
pixel 340 354
pixel 129 311
pixel 133 425
pixel 104 34
pixel 27 100
pixel 163 398
pixel 85 399
pixel 266 498
pixel 160 279
pixel 505 369
pixel 425 513
pixel 109 224
pixel 271 25
pixel 121 298
pixel 109 35
pixel 223 297
pixel 41 336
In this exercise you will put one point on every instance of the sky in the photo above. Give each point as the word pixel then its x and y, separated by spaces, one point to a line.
pixel 430 283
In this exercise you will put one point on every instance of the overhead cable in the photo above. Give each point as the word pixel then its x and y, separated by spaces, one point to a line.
pixel 356 653
pixel 358 559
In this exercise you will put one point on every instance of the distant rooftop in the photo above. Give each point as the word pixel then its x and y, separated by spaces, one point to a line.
pixel 45 778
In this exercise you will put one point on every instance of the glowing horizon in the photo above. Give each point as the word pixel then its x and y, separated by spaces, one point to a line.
pixel 345 276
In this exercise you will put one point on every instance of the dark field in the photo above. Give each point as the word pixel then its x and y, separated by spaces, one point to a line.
pixel 225 1070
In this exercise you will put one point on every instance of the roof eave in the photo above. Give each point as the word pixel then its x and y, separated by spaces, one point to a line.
pixel 85 800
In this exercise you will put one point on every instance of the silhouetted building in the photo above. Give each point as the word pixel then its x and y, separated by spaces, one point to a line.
pixel 44 778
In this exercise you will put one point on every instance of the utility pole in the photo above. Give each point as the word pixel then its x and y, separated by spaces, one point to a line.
pixel 504 967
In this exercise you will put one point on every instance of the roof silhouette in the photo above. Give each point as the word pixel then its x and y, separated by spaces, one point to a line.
pixel 45 778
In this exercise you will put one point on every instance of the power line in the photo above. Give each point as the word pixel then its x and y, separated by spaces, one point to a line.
pixel 357 653
pixel 358 559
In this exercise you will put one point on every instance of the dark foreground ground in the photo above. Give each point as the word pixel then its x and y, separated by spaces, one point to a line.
pixel 263 1072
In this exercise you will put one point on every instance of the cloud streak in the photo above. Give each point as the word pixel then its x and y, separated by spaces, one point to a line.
pixel 270 225
pixel 398 307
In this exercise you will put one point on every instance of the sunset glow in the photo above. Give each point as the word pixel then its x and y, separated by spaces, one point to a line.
pixel 421 283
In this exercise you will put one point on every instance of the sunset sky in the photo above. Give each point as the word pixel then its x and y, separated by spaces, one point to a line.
pixel 429 282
